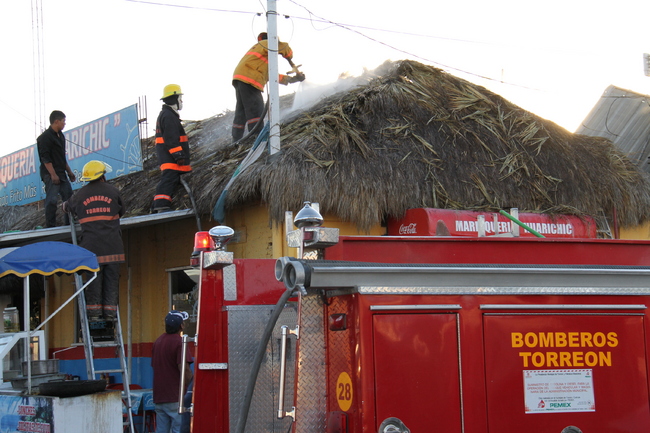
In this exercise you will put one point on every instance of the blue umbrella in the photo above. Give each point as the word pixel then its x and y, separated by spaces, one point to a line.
pixel 44 258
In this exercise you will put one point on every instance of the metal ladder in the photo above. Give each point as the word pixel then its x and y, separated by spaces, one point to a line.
pixel 90 345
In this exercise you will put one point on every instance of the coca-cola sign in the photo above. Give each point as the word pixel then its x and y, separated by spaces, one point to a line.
pixel 409 229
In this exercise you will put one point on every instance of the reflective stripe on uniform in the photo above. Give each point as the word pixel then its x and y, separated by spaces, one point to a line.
pixel 174 166
pixel 248 80
pixel 111 258
pixel 99 218
pixel 258 55
pixel 162 197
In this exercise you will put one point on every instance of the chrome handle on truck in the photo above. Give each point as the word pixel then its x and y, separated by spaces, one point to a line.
pixel 181 388
pixel 283 369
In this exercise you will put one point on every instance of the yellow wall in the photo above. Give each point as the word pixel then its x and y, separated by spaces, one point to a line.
pixel 61 328
pixel 150 250
pixel 254 238
pixel 640 232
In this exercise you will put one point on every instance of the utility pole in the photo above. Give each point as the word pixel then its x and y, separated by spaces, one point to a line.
pixel 274 86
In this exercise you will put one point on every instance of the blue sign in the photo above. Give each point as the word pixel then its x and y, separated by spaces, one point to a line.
pixel 113 139
pixel 26 414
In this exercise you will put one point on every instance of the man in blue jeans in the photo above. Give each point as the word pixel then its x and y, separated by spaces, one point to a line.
pixel 166 360
pixel 54 167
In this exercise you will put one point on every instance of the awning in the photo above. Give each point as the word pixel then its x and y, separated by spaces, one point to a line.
pixel 46 258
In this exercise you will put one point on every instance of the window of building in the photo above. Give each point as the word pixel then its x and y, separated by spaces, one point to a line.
pixel 184 294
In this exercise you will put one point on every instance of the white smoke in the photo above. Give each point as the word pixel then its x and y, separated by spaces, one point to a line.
pixel 310 94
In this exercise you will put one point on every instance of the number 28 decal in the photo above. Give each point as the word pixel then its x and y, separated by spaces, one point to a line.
pixel 344 392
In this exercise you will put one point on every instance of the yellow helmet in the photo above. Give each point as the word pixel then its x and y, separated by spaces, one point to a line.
pixel 93 170
pixel 171 90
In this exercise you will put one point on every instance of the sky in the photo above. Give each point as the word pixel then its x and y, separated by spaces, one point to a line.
pixel 91 58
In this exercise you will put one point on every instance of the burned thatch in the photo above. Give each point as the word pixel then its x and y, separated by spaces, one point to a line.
pixel 412 136
pixel 419 137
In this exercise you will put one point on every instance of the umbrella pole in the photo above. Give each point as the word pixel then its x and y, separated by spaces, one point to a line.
pixel 26 329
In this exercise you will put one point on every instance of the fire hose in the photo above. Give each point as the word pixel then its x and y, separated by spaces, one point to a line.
pixel 196 212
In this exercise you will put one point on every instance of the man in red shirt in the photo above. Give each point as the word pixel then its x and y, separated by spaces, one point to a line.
pixel 166 360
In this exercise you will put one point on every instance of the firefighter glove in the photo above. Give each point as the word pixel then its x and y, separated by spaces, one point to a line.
pixel 297 78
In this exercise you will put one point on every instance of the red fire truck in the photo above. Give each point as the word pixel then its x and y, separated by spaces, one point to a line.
pixel 420 333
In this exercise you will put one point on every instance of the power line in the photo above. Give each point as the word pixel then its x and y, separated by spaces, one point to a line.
pixel 38 63
pixel 349 28
pixel 193 7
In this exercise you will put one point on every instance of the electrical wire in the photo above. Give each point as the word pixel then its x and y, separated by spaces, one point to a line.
pixel 409 53
pixel 38 68
pixel 190 7
pixel 352 27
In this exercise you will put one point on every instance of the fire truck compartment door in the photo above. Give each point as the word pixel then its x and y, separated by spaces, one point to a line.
pixel 416 361
pixel 545 372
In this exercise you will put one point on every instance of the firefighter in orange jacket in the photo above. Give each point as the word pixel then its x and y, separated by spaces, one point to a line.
pixel 249 79
pixel 172 148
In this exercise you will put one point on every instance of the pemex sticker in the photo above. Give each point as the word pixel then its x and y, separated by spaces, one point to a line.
pixel 547 391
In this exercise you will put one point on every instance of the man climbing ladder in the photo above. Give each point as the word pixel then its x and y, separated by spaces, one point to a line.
pixel 99 207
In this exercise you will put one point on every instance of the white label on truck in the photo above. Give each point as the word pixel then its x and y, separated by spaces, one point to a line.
pixel 548 391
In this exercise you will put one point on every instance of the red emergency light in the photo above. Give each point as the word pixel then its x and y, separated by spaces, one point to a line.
pixel 202 242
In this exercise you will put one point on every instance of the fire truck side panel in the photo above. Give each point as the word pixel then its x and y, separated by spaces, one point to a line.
pixel 453 370
pixel 425 343
pixel 235 304
pixel 210 410
pixel 245 327
pixel 409 344
pixel 547 371
pixel 343 392
pixel 256 284
pixel 448 347
pixel 405 249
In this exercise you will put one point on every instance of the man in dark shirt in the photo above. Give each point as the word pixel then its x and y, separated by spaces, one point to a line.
pixel 98 205
pixel 166 360
pixel 54 166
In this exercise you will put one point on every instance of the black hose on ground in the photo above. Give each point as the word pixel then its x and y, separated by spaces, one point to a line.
pixel 257 361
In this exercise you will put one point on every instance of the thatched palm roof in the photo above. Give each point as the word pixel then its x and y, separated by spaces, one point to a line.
pixel 412 136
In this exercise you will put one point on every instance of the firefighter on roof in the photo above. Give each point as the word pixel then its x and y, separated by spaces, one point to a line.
pixel 172 148
pixel 249 79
